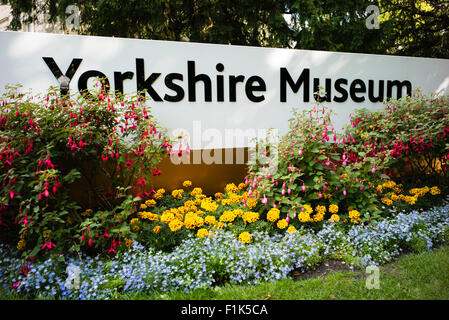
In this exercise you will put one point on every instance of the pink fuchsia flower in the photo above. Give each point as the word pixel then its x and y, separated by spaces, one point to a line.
pixel 303 187
pixel 48 245
pixel 264 200
pixel 25 221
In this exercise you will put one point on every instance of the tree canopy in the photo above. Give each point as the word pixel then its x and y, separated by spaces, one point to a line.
pixel 407 27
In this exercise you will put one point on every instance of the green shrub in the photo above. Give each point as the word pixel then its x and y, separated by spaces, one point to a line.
pixel 48 143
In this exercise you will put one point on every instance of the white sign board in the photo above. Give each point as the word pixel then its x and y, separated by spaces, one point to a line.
pixel 217 90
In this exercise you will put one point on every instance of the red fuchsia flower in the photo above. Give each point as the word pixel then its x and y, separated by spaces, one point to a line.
pixel 344 192
pixel 48 245
pixel 156 172
pixel 90 242
pixel 25 221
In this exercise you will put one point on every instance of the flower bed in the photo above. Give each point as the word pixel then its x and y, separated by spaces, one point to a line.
pixel 221 258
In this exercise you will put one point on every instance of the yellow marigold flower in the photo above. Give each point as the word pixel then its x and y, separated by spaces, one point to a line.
pixel 282 224
pixel 251 203
pixel 161 191
pixel 175 225
pixel 308 209
pixel 333 208
pixel 245 237
pixel 434 191
pixel 291 229
pixel 273 214
pixel 187 183
pixel 334 218
pixel 250 216
pixel 238 212
pixel 394 197
pixel 228 216
pixel 128 242
pixel 304 216
pixel 134 221
pixel 179 216
pixel 158 195
pixel 219 225
pixel 150 202
pixel 209 205
pixel 210 220
pixel 193 221
pixel 177 194
pixel 135 227
pixel 202 233
pixel 387 201
pixel 241 186
pixel 196 191
pixel 389 184
pixel 320 209
pixel 354 215
pixel 143 206
pixel 156 229
pixel 189 203
pixel 182 209
pixel 46 233
pixel 167 216
pixel 231 188
pixel 318 217
pixel 218 195
pixel 21 244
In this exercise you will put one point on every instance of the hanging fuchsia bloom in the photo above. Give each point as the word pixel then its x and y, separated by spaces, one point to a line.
pixel 344 192
pixel 300 152
pixel 48 245
pixel 264 199
pixel 287 218
pixel 289 191
pixel 303 187
pixel 156 172
pixel 25 221
pixel 373 170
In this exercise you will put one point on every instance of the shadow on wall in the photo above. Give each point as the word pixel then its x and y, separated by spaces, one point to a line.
pixel 228 166
pixel 210 170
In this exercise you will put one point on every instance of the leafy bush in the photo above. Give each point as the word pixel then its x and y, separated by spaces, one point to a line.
pixel 49 143
pixel 315 176
pixel 411 136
